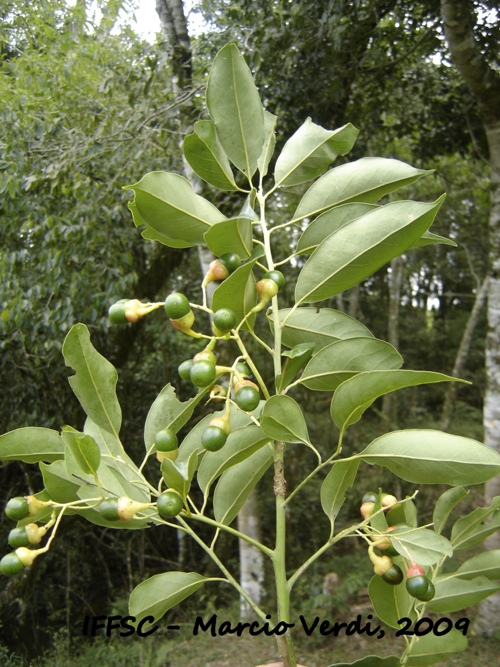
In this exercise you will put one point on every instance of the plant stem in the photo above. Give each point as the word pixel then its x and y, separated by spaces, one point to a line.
pixel 279 558
pixel 229 577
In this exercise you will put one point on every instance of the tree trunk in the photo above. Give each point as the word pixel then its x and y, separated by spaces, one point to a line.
pixel 174 29
pixel 484 83
pixel 389 402
pixel 462 354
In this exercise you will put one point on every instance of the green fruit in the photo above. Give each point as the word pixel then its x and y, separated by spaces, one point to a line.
pixel 266 289
pixel 177 306
pixel 18 537
pixel 166 440
pixel 420 588
pixel 17 508
pixel 370 497
pixel 205 355
pixel 224 319
pixel 213 438
pixel 185 370
pixel 230 260
pixel 108 509
pixel 275 276
pixel 116 312
pixel 203 373
pixel 11 564
pixel 242 368
pixel 394 575
pixel 169 504
pixel 247 398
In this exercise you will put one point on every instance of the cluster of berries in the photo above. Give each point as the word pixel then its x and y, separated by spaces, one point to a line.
pixel 23 537
pixel 381 552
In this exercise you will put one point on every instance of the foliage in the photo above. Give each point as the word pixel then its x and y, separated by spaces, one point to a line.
pixel 347 235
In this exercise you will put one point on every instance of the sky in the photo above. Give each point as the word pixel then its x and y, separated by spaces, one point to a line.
pixel 148 22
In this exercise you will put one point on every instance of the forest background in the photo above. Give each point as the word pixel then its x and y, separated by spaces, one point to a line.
pixel 87 106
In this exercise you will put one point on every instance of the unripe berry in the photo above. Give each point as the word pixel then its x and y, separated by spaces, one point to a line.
pixel 266 289
pixel 275 276
pixel 177 306
pixel 388 500
pixel 366 510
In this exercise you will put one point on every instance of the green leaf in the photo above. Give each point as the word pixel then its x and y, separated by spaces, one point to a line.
pixel 237 483
pixel 404 512
pixel 371 661
pixel 282 419
pixel 339 361
pixel 319 326
pixel 391 603
pixel 85 450
pixel 446 502
pixel 178 474
pixel 456 594
pixel 205 154
pixel 152 234
pixel 355 251
pixel 471 529
pixel 119 462
pixel 59 484
pixel 429 649
pixel 433 457
pixel 31 444
pixel 168 205
pixel 425 546
pixel 486 564
pixel 432 239
pixel 234 104
pixel 269 142
pixel 233 235
pixel 310 151
pixel 365 180
pixel 94 382
pixel 155 596
pixel 328 222
pixel 335 485
pixel 238 293
pixel 298 357
pixel 356 395
pixel 241 444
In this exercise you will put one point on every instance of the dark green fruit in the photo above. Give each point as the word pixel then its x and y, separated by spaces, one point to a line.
pixel 166 440
pixel 177 306
pixel 202 373
pixel 108 509
pixel 213 438
pixel 247 398
pixel 394 575
pixel 275 276
pixel 224 319
pixel 116 312
pixel 169 504
pixel 420 588
pixel 11 564
pixel 18 537
pixel 17 508
pixel 185 370
pixel 230 260
pixel 370 497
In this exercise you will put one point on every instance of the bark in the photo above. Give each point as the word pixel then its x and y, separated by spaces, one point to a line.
pixel 462 353
pixel 389 402
pixel 484 83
